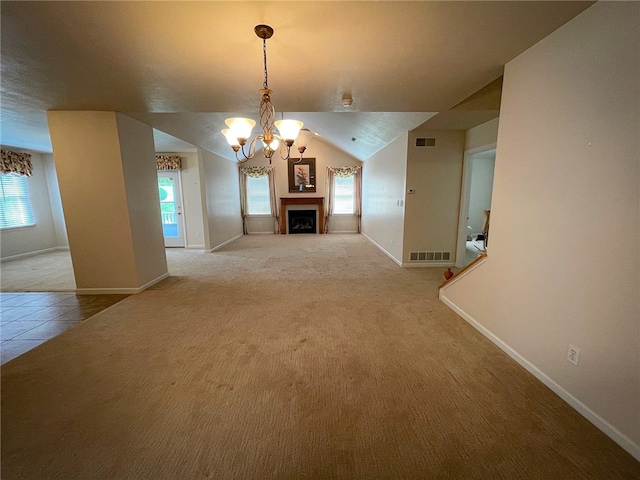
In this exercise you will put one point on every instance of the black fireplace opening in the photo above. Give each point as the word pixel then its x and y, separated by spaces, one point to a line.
pixel 302 221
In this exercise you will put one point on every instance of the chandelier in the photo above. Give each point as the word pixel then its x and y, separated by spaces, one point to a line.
pixel 289 131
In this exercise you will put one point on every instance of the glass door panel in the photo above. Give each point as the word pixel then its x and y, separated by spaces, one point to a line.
pixel 171 208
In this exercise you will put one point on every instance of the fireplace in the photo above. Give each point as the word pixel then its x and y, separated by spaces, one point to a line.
pixel 294 204
pixel 302 221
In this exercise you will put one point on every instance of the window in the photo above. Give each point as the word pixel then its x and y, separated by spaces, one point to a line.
pixel 15 204
pixel 258 202
pixel 343 195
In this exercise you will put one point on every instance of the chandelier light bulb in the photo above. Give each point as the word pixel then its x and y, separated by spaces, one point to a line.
pixel 241 127
pixel 303 139
pixel 273 145
pixel 231 138
pixel 289 130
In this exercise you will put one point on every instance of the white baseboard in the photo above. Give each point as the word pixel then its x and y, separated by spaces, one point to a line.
pixel 427 264
pixel 120 291
pixel 31 254
pixel 343 231
pixel 382 249
pixel 226 243
pixel 261 233
pixel 625 442
pixel 195 247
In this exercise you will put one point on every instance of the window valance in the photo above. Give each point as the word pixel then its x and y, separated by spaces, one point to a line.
pixel 14 162
pixel 344 172
pixel 255 172
pixel 168 162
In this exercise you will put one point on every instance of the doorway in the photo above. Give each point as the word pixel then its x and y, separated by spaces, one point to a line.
pixel 479 165
pixel 171 208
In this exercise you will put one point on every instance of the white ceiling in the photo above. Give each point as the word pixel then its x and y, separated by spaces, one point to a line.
pixel 183 67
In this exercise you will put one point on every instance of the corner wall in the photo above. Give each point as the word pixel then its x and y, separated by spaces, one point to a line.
pixel 432 211
pixel 141 185
pixel 222 212
pixel 384 178
pixel 106 170
pixel 55 201
pixel 564 260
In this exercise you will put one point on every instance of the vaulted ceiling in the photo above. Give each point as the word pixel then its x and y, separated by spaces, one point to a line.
pixel 183 67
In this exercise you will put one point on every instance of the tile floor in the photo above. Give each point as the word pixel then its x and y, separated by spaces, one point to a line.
pixel 29 319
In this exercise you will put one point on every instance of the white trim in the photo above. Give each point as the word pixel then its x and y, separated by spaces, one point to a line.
pixel 421 264
pixel 31 254
pixel 382 249
pixel 482 148
pixel 120 291
pixel 225 243
pixel 343 231
pixel 260 233
pixel 196 246
pixel 625 442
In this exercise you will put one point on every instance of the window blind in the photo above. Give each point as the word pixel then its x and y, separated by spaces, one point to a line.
pixel 15 203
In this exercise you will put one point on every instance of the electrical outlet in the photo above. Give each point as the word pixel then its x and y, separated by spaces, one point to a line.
pixel 573 355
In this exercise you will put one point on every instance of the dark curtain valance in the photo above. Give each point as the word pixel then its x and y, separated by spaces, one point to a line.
pixel 14 162
pixel 166 162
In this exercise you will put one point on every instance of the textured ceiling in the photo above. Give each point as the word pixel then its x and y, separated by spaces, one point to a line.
pixel 182 67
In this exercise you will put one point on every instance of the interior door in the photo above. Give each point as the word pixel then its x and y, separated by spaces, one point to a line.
pixel 171 208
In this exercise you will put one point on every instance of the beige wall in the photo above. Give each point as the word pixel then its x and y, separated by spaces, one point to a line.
pixel 482 135
pixel 137 152
pixel 55 201
pixel 325 155
pixel 222 211
pixel 482 168
pixel 383 195
pixel 42 236
pixel 563 260
pixel 435 175
pixel 99 210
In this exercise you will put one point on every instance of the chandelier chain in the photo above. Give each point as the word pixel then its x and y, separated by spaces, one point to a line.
pixel 264 53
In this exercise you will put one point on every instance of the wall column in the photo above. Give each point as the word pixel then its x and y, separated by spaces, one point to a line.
pixel 105 163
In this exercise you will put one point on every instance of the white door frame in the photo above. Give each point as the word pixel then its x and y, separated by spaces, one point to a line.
pixel 465 199
pixel 180 240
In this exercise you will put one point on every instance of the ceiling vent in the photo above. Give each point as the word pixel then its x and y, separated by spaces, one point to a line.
pixel 425 142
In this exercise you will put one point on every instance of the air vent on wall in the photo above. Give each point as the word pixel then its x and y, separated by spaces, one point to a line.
pixel 430 256
pixel 425 142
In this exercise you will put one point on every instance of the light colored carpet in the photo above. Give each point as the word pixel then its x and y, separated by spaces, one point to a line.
pixel 45 272
pixel 53 271
pixel 288 357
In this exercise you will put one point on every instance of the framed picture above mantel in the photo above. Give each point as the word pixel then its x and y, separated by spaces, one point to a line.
pixel 302 175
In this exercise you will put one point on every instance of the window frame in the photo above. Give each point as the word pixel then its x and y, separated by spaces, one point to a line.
pixel 335 196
